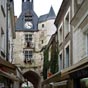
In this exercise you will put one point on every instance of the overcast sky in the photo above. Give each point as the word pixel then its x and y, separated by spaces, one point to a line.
pixel 40 6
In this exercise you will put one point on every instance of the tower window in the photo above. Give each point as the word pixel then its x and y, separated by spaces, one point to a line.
pixel 28 37
pixel 28 55
pixel 42 25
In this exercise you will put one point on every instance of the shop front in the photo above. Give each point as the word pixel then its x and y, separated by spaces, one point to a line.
pixel 7 74
pixel 58 81
pixel 61 84
pixel 80 78
pixel 7 79
pixel 6 82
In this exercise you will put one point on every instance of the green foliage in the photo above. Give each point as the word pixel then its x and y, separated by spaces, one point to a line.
pixel 54 59
pixel 45 64
pixel 53 63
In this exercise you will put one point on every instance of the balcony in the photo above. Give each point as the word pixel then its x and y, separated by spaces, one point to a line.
pixel 29 44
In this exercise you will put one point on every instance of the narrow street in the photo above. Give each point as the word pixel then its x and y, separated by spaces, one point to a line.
pixel 47 50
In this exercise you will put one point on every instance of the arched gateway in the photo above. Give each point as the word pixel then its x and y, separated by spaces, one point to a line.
pixel 33 77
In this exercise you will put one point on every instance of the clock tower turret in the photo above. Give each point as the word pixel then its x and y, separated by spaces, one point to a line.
pixel 28 20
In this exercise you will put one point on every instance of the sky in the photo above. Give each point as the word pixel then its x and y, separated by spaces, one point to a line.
pixel 41 7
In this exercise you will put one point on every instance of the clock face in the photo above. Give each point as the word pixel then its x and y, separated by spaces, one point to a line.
pixel 28 25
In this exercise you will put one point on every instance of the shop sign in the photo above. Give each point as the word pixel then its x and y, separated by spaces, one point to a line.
pixel 1 85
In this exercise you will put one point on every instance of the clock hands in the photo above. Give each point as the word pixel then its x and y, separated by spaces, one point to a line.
pixel 28 25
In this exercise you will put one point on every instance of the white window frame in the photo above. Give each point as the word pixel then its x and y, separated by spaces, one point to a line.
pixel 86 34
pixel 86 44
pixel 61 26
pixel 68 44
pixel 29 59
pixel 85 31
pixel 2 40
pixel 67 13
pixel 61 52
pixel 29 37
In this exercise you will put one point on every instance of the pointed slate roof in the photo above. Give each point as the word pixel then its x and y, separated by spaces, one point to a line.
pixel 50 15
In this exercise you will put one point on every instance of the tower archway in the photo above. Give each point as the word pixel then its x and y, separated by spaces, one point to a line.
pixel 33 77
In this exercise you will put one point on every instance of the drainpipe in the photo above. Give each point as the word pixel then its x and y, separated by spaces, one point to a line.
pixel 7 9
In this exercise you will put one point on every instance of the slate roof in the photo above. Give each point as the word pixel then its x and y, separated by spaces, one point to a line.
pixel 50 15
pixel 43 18
pixel 27 7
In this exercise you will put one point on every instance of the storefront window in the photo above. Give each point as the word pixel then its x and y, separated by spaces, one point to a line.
pixel 84 83
pixel 5 82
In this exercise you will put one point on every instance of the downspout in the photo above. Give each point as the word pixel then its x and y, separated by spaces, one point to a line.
pixel 7 8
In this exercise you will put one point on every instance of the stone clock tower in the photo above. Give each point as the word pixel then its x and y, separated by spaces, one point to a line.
pixel 26 43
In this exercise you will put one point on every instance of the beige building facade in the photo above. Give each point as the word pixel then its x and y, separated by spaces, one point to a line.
pixel 8 71
pixel 21 47
pixel 76 74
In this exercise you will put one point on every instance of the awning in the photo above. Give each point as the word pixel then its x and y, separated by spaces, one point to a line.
pixel 61 83
pixel 64 74
pixel 52 78
pixel 78 66
pixel 6 63
pixel 9 76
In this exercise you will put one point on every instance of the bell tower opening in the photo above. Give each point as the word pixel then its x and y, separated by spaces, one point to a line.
pixel 27 5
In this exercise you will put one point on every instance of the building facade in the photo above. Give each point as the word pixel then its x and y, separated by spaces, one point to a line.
pixel 46 27
pixel 50 63
pixel 80 49
pixel 75 73
pixel 8 73
pixel 65 57
pixel 26 44
pixel 3 30
pixel 64 35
